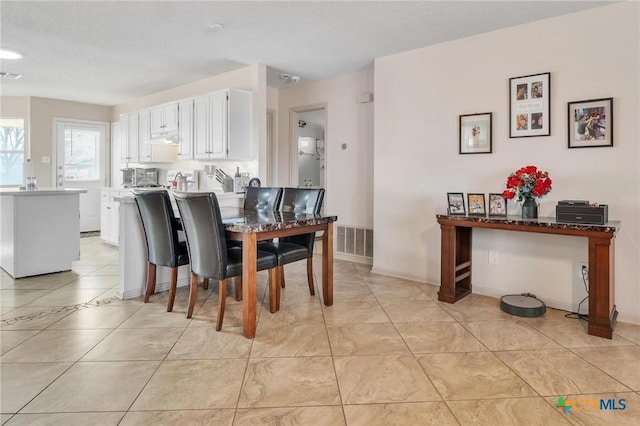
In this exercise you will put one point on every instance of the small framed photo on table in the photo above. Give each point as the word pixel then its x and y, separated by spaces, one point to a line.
pixel 456 203
pixel 497 205
pixel 476 205
pixel 475 133
pixel 529 106
pixel 590 123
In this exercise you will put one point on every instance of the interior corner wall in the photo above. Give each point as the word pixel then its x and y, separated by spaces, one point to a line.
pixel 420 95
pixel 349 173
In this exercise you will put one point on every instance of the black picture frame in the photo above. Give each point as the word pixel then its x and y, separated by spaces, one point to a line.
pixel 455 204
pixel 477 205
pixel 590 123
pixel 475 133
pixel 530 105
pixel 497 205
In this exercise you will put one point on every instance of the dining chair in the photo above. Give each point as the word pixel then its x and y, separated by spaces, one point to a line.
pixel 297 247
pixel 210 256
pixel 161 234
pixel 261 199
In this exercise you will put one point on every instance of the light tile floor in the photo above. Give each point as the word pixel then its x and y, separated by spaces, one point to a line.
pixel 387 352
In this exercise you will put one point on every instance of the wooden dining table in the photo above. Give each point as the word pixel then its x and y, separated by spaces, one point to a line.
pixel 253 226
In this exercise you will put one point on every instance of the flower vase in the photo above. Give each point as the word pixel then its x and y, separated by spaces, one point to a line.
pixel 529 209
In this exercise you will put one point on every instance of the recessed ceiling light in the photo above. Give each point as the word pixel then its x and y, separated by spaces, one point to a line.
pixel 10 75
pixel 9 54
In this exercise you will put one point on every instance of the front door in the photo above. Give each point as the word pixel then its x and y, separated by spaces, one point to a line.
pixel 81 163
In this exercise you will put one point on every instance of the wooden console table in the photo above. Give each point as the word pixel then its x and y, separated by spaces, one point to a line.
pixel 455 272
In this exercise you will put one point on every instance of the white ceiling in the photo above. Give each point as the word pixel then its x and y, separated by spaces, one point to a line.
pixel 109 53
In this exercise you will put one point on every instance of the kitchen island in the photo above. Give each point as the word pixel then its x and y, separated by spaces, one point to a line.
pixel 39 230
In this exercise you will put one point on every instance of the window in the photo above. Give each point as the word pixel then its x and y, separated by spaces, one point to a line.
pixel 11 151
pixel 81 154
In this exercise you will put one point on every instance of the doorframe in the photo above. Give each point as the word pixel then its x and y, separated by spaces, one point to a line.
pixel 293 140
pixel 54 149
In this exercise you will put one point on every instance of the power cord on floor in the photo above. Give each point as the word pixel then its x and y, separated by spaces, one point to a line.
pixel 578 315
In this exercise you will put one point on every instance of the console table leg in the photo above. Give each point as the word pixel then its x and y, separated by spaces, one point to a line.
pixel 455 263
pixel 602 310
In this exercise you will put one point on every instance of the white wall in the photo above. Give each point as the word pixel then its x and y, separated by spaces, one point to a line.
pixel 421 93
pixel 349 192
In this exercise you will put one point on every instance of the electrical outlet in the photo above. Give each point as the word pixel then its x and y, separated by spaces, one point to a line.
pixel 583 270
pixel 493 257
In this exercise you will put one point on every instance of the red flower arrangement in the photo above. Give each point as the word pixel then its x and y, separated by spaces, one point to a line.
pixel 527 182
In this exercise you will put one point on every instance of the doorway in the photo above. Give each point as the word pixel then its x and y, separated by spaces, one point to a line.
pixel 308 146
pixel 81 163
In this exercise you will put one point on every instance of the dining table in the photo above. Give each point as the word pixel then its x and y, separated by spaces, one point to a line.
pixel 251 226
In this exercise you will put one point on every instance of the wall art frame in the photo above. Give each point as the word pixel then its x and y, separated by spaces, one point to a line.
pixel 475 133
pixel 497 205
pixel 590 123
pixel 455 204
pixel 477 205
pixel 530 106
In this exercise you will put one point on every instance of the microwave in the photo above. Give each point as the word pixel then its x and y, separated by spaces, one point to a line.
pixel 139 177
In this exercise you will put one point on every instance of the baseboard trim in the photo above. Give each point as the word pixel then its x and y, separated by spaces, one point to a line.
pixel 353 258
pixel 160 286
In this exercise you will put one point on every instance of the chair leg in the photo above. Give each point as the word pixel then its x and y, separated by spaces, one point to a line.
pixel 274 290
pixel 193 292
pixel 205 284
pixel 151 281
pixel 281 275
pixel 310 275
pixel 172 289
pixel 222 293
pixel 237 285
pixel 276 276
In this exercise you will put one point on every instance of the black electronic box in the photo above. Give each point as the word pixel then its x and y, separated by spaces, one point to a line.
pixel 580 211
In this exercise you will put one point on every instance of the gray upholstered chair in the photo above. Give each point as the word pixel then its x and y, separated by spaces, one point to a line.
pixel 161 234
pixel 296 247
pixel 262 198
pixel 208 251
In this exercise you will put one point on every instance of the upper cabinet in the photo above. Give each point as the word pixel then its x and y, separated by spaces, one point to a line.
pixel 210 127
pixel 222 125
pixel 185 139
pixel 144 136
pixel 164 120
pixel 129 138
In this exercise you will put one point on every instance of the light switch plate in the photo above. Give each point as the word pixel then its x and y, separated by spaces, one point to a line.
pixel 46 160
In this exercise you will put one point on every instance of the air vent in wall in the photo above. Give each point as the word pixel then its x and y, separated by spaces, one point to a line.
pixel 354 241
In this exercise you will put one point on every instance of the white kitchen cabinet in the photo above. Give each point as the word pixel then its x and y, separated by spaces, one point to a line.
pixel 222 125
pixel 129 138
pixel 109 221
pixel 164 120
pixel 185 140
pixel 144 136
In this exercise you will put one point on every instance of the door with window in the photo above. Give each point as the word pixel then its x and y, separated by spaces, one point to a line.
pixel 81 163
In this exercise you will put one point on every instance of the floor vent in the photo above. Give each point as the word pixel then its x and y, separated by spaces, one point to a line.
pixel 355 241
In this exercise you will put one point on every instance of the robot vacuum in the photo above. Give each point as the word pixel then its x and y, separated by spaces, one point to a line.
pixel 522 305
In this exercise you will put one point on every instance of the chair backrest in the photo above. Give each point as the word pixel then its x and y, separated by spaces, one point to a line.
pixel 203 228
pixel 158 222
pixel 302 200
pixel 262 198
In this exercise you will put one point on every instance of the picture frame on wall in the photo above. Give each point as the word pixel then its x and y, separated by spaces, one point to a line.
pixel 475 133
pixel 476 203
pixel 590 123
pixel 455 203
pixel 530 106
pixel 497 205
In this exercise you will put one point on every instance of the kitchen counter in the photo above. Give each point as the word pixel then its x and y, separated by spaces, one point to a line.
pixel 39 230
pixel 42 191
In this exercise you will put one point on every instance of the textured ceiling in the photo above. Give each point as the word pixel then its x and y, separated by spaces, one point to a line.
pixel 109 53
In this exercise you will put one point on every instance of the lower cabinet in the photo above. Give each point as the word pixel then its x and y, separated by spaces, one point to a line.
pixel 109 210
